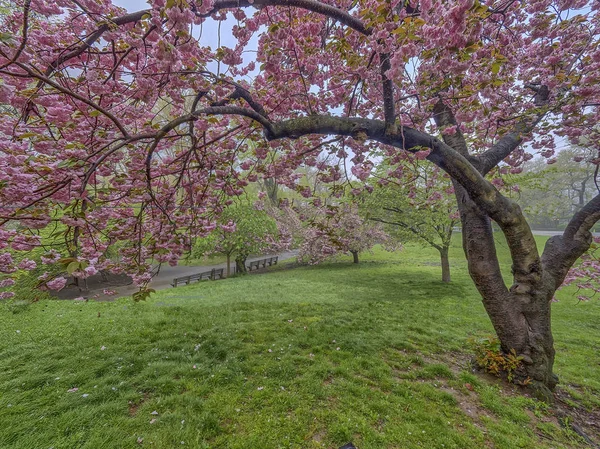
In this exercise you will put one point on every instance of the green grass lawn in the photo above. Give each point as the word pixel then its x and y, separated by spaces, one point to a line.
pixel 312 357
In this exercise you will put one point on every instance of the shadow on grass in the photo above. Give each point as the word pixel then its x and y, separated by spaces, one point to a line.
pixel 383 281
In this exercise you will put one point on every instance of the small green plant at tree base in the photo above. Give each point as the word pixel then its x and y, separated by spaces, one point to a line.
pixel 492 359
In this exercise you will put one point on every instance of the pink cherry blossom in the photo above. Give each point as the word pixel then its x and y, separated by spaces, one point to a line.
pixel 57 283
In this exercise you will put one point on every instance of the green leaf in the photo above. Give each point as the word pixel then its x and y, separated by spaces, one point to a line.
pixel 6 37
pixel 27 135
pixel 496 67
pixel 65 261
pixel 66 164
pixel 72 267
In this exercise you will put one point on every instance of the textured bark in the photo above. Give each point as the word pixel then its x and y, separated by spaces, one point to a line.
pixel 228 270
pixel 272 189
pixel 445 264
pixel 520 315
pixel 240 265
pixel 354 256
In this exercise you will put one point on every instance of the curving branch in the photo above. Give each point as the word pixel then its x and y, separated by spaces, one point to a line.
pixel 562 251
pixel 240 92
pixel 94 37
pixel 582 222
pixel 311 5
pixel 492 203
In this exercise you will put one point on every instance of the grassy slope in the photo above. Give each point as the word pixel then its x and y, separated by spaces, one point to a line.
pixel 304 358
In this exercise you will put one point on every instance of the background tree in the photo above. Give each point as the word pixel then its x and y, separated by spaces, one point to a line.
pixel 463 84
pixel 420 208
pixel 242 230
pixel 330 230
pixel 570 178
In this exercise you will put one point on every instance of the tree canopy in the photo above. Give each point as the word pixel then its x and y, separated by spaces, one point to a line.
pixel 242 230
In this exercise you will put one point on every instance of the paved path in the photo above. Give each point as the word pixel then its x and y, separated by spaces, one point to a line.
pixel 167 273
pixel 159 282
pixel 550 233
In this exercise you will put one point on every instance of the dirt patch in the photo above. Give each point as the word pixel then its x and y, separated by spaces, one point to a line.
pixel 319 436
pixel 135 405
pixel 566 412
pixel 582 420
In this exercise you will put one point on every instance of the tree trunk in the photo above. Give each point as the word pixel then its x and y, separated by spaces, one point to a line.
pixel 355 256
pixel 228 271
pixel 525 327
pixel 445 264
pixel 272 188
pixel 520 315
pixel 240 265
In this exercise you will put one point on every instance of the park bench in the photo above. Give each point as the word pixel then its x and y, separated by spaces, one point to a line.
pixel 219 273
pixel 262 263
pixel 214 274
pixel 253 265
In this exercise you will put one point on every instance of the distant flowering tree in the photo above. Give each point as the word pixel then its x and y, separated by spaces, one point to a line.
pixel 332 230
pixel 242 230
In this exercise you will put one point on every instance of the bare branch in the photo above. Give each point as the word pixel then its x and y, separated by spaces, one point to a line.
pixel 26 8
pixel 414 229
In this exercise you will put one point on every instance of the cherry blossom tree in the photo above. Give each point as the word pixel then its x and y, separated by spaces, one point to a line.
pixel 117 125
pixel 333 230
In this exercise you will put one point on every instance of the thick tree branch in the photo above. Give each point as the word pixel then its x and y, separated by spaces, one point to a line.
pixel 582 222
pixel 311 5
pixel 443 116
pixel 478 238
pixel 389 112
pixel 457 166
pixel 562 251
